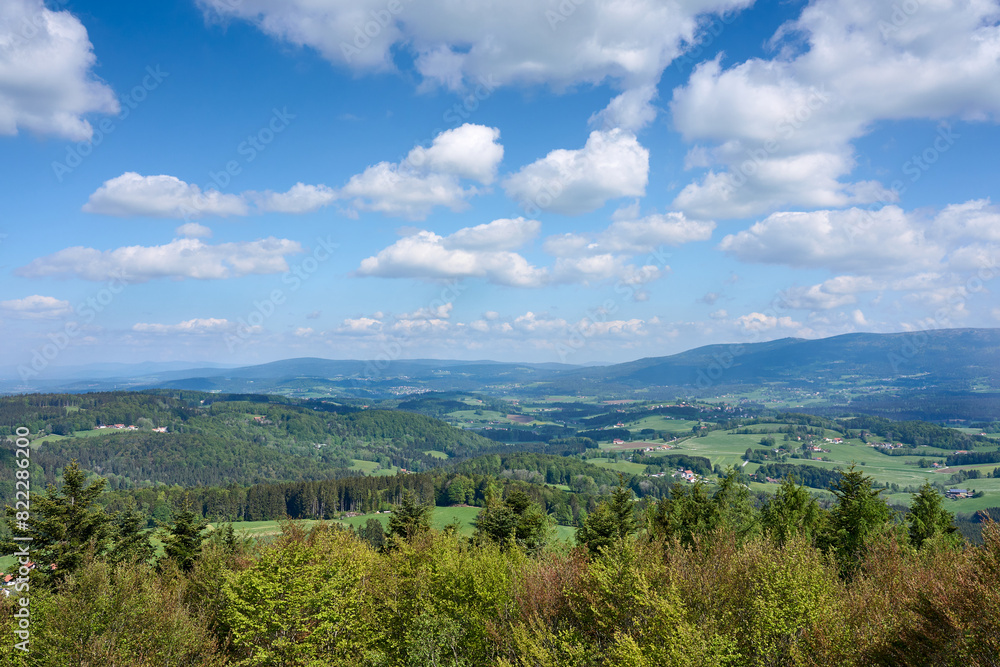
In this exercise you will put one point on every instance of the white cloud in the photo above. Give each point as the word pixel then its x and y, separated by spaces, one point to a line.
pixel 757 322
pixel 132 194
pixel 502 234
pixel 515 42
pixel 193 230
pixel 179 259
pixel 304 332
pixel 35 307
pixel 854 240
pixel 429 177
pixel 46 82
pixel 649 233
pixel 195 327
pixel 360 325
pixel 977 219
pixel 720 314
pixel 470 151
pixel 464 254
pixel 632 110
pixel 785 125
pixel 442 312
pixel 612 164
pixel 598 268
pixel 832 293
pixel 300 198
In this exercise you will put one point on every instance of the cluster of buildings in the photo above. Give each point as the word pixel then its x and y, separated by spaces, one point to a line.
pixel 130 427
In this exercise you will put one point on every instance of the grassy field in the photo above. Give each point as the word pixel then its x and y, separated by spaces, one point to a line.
pixel 626 467
pixel 436 454
pixel 367 467
pixel 726 449
pixel 661 423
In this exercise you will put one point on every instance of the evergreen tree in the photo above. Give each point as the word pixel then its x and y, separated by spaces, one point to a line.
pixel 409 518
pixel 791 511
pixel 734 508
pixel 612 520
pixel 373 533
pixel 131 541
pixel 66 523
pixel 928 517
pixel 516 520
pixel 860 513
pixel 182 541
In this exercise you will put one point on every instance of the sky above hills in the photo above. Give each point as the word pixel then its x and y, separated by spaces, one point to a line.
pixel 238 181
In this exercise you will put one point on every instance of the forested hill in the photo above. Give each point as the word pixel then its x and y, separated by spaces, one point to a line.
pixel 954 358
pixel 197 439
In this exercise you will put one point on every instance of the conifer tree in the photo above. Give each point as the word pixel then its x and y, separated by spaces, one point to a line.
pixel 182 542
pixel 791 511
pixel 860 513
pixel 409 518
pixel 928 517
pixel 66 523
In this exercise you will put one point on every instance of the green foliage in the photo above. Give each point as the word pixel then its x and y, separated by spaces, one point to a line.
pixel 126 615
pixel 791 512
pixel 373 533
pixel 613 520
pixel 66 524
pixel 183 539
pixel 928 518
pixel 131 540
pixel 410 518
pixel 514 521
pixel 858 517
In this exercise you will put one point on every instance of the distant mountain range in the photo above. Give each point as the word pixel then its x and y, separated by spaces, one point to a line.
pixel 962 360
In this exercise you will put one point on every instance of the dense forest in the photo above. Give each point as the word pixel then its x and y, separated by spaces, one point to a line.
pixel 699 577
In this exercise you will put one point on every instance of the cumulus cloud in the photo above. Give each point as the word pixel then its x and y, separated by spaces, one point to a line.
pixel 194 230
pixel 179 259
pixel 633 236
pixel 195 326
pixel 470 151
pixel 162 196
pixel 832 293
pixel 845 241
pixel 611 164
pixel 632 110
pixel 35 307
pixel 46 81
pixel 132 194
pixel 516 42
pixel 758 322
pixel 483 251
pixel 300 198
pixel 874 242
pixel 781 128
pixel 429 177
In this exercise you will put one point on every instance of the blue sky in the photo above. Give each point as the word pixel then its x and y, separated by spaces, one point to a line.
pixel 239 181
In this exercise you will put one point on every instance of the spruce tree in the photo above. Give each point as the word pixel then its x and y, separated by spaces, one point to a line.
pixel 791 511
pixel 66 523
pixel 860 513
pixel 409 518
pixel 182 541
pixel 928 517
